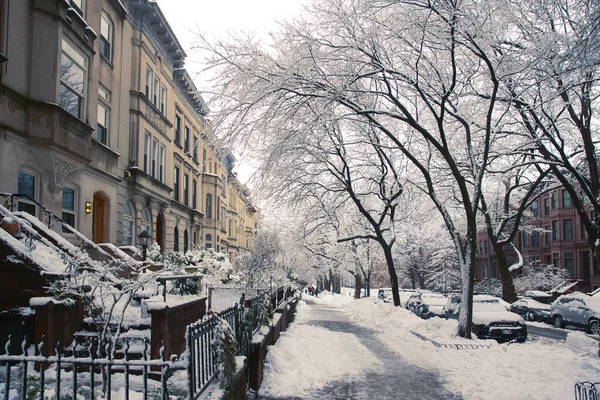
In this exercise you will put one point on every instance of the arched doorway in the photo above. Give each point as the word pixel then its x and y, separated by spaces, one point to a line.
pixel 160 231
pixel 99 218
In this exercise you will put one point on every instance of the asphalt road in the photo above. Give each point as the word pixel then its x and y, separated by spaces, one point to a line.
pixel 550 332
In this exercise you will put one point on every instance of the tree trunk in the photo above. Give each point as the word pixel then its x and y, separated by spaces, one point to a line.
pixel 465 317
pixel 508 287
pixel 387 251
pixel 357 285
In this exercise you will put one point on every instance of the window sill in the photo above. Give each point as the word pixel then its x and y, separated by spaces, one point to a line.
pixel 107 61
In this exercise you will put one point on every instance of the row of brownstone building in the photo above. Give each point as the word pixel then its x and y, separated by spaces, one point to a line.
pixel 551 234
pixel 101 124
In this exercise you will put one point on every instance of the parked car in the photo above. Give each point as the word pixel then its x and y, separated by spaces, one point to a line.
pixel 577 309
pixel 541 296
pixel 491 320
pixel 405 295
pixel 427 304
pixel 385 294
pixel 532 310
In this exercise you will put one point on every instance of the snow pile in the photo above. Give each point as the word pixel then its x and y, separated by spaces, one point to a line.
pixel 543 369
pixel 306 358
pixel 581 343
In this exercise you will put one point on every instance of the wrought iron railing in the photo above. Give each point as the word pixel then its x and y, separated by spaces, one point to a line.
pixel 76 376
pixel 587 391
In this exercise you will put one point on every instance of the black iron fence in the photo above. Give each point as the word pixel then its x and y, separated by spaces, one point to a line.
pixel 202 364
pixel 587 391
pixel 92 371
pixel 69 375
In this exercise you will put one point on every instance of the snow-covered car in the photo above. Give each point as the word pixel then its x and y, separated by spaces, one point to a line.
pixel 385 294
pixel 405 295
pixel 532 310
pixel 577 309
pixel 491 320
pixel 427 304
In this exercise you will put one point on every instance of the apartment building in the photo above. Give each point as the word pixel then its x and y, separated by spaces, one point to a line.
pixel 552 234
pixel 101 124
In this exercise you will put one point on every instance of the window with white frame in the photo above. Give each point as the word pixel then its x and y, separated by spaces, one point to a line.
pixel 147 139
pixel 186 193
pixel 161 165
pixel 27 185
pixel 149 78
pixel 68 208
pixel 128 224
pixel 155 91
pixel 154 168
pixel 73 76
pixel 106 37
pixel 176 183
pixel 103 123
pixel 163 100
pixel 186 139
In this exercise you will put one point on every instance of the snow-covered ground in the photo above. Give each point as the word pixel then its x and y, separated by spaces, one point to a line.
pixel 541 369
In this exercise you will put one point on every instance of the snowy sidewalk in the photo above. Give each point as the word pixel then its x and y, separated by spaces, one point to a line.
pixel 325 356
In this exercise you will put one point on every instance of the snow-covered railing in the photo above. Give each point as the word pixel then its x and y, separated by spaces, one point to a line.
pixel 202 365
pixel 69 381
pixel 587 391
pixel 454 346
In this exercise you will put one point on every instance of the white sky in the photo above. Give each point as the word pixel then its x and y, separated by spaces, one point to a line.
pixel 215 19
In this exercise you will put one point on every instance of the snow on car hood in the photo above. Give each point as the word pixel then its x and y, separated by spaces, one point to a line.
pixel 486 317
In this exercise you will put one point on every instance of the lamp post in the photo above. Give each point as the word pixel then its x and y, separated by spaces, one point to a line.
pixel 144 240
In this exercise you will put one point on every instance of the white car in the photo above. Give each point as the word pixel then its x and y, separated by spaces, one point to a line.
pixel 577 309
pixel 491 320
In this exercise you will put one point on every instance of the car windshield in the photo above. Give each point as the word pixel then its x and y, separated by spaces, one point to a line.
pixel 487 305
pixel 536 304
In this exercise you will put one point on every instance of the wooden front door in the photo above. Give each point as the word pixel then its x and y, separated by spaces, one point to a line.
pixel 99 218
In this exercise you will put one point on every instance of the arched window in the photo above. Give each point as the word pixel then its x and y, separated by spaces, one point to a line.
pixel 185 241
pixel 128 224
pixel 147 221
pixel 176 239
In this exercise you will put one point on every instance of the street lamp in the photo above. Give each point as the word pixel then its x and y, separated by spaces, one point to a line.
pixel 144 240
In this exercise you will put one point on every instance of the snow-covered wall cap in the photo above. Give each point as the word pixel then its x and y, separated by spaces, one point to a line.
pixel 44 301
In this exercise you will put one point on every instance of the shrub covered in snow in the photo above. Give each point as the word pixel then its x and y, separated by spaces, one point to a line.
pixel 224 348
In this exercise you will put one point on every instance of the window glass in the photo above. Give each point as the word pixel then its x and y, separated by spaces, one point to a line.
pixel 177 129
pixel 176 184
pixel 105 37
pixel 175 239
pixel 147 153
pixel 185 241
pixel 161 169
pixel 78 6
pixel 208 205
pixel 568 229
pixel 566 198
pixel 149 76
pixel 128 225
pixel 103 121
pixel 72 80
pixel 163 99
pixel 154 158
pixel 147 221
pixel 68 208
pixel 26 185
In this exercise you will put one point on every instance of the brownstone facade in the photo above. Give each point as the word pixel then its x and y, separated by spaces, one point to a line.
pixel 552 234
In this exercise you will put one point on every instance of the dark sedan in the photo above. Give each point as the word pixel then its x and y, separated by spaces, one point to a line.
pixel 532 310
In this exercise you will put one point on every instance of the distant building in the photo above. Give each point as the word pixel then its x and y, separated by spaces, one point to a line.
pixel 101 124
pixel 560 240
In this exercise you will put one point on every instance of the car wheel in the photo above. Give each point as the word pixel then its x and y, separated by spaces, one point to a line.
pixel 530 316
pixel 558 322
pixel 594 327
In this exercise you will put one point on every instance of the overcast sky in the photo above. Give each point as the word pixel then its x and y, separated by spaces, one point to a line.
pixel 215 19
